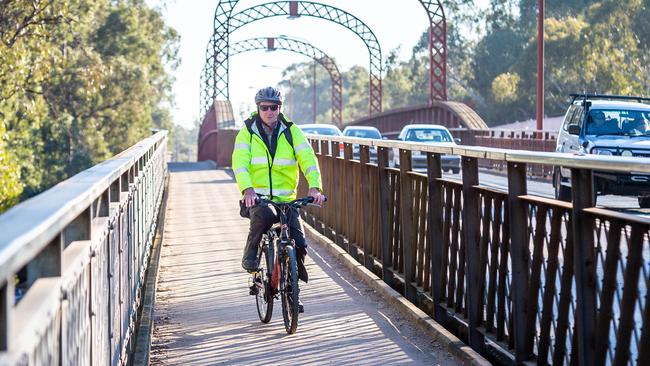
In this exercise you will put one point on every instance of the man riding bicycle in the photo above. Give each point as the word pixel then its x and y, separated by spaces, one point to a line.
pixel 265 160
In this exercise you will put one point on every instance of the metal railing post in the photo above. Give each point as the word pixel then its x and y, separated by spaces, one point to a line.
pixel 384 224
pixel 347 155
pixel 338 170
pixel 407 224
pixel 520 257
pixel 471 236
pixel 7 298
pixel 364 159
pixel 434 172
pixel 331 187
pixel 584 263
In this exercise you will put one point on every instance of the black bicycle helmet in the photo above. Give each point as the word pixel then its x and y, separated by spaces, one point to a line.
pixel 268 94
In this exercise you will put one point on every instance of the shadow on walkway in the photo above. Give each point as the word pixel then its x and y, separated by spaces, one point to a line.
pixel 204 315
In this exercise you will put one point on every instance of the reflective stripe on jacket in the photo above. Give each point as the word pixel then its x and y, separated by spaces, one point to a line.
pixel 276 176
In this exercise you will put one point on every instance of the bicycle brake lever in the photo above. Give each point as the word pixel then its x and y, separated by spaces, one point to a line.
pixel 313 204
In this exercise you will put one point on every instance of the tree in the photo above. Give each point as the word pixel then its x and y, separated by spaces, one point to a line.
pixel 80 80
pixel 10 187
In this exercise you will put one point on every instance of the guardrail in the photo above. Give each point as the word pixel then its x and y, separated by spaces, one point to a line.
pixel 519 278
pixel 73 258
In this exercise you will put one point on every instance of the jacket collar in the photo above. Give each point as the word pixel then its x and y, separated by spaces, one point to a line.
pixel 252 126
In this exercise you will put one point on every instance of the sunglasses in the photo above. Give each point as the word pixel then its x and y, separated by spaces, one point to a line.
pixel 265 108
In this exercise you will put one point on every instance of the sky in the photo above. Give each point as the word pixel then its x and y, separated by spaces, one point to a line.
pixel 394 23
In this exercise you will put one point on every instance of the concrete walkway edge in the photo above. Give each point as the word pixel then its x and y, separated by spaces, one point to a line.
pixel 452 343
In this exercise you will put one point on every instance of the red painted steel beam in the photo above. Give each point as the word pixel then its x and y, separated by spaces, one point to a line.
pixel 437 50
pixel 215 71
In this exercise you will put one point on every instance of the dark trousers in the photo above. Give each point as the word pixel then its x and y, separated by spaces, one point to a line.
pixel 262 218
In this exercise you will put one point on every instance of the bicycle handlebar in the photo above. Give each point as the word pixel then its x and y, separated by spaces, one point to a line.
pixel 297 203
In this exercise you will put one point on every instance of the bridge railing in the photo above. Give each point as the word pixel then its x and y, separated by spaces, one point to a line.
pixel 516 276
pixel 72 261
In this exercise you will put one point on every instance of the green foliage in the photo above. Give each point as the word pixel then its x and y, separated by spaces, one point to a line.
pixel 80 80
pixel 504 87
pixel 10 187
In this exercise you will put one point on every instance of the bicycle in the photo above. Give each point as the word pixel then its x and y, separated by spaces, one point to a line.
pixel 277 275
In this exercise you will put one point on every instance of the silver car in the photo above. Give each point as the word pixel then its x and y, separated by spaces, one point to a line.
pixel 363 132
pixel 430 134
pixel 321 129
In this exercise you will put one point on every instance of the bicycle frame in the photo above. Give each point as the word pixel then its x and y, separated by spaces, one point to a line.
pixel 282 240
pixel 278 243
pixel 279 275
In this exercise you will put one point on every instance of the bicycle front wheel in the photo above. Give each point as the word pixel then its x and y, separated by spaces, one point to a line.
pixel 264 297
pixel 289 290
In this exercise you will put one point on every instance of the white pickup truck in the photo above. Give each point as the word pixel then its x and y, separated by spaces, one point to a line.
pixel 606 125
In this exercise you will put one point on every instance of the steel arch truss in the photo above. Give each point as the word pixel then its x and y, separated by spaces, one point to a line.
pixel 216 63
pixel 216 68
pixel 303 48
pixel 437 50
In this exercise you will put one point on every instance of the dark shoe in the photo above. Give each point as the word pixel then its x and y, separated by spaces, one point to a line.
pixel 249 265
pixel 301 307
pixel 256 286
pixel 253 290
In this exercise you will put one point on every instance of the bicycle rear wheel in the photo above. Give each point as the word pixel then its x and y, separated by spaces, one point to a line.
pixel 264 297
pixel 289 290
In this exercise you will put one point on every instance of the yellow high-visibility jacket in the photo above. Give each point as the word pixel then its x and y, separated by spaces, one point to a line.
pixel 276 177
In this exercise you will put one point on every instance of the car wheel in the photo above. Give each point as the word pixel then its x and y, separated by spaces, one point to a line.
pixel 562 193
pixel 455 171
pixel 644 201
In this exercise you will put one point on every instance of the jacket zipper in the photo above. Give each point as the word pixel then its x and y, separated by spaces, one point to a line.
pixel 270 159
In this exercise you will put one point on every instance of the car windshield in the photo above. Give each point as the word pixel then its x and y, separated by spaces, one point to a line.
pixel 428 135
pixel 364 134
pixel 618 122
pixel 328 131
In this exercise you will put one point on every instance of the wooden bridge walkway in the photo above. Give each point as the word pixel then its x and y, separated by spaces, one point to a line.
pixel 204 315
